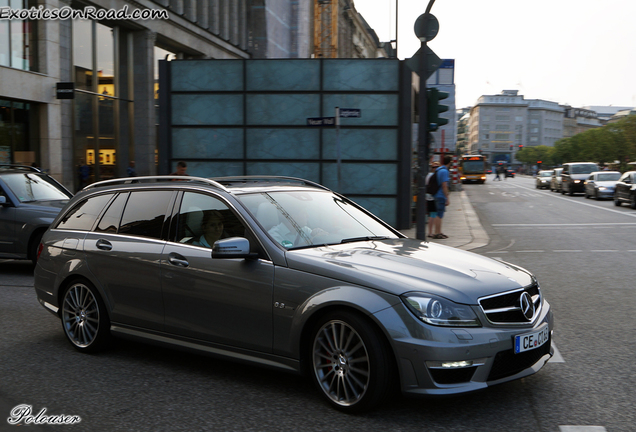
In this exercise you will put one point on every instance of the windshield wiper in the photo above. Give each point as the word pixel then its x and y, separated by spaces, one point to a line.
pixel 367 238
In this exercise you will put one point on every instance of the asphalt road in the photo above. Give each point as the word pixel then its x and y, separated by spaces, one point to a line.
pixel 581 251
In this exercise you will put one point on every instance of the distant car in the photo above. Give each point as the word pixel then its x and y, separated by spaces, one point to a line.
pixel 543 179
pixel 29 201
pixel 574 175
pixel 555 181
pixel 510 173
pixel 626 189
pixel 285 273
pixel 601 184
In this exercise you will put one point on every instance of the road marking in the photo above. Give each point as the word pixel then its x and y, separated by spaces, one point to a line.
pixel 582 429
pixel 530 251
pixel 603 250
pixel 550 194
pixel 564 224
pixel 557 357
pixel 573 250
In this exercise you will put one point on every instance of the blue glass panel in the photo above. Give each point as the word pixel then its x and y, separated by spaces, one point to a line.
pixel 213 169
pixel 282 109
pixel 361 144
pixel 207 143
pixel 207 109
pixel 283 144
pixel 361 74
pixel 363 179
pixel 384 208
pixel 376 109
pixel 207 75
pixel 292 75
pixel 307 171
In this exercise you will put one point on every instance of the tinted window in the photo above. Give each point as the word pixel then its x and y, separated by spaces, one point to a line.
pixel 112 216
pixel 204 219
pixel 83 215
pixel 145 213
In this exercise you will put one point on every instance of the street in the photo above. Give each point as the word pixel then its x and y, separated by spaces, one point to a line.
pixel 581 251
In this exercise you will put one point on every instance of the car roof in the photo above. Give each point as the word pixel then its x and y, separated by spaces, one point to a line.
pixel 18 169
pixel 233 185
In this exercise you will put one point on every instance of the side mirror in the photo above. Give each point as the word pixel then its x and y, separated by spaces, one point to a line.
pixel 233 247
pixel 3 200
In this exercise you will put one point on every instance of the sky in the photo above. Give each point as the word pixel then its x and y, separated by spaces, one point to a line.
pixel 576 52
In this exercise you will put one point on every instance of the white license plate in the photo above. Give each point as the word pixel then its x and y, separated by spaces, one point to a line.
pixel 530 341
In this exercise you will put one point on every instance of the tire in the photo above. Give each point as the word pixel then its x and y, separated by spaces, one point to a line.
pixel 617 202
pixel 632 202
pixel 84 317
pixel 586 195
pixel 596 196
pixel 351 381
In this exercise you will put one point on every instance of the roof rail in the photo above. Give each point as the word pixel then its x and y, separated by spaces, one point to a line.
pixel 150 179
pixel 256 178
pixel 20 167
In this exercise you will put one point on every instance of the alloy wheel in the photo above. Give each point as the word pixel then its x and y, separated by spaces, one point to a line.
pixel 341 363
pixel 81 316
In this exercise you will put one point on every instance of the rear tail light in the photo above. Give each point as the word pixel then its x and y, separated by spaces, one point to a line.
pixel 40 248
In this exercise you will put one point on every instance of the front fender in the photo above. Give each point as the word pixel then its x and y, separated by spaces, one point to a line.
pixel 299 297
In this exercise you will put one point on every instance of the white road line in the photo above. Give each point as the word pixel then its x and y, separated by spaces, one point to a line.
pixel 565 224
pixel 603 250
pixel 557 357
pixel 530 251
pixel 582 429
pixel 551 194
pixel 573 250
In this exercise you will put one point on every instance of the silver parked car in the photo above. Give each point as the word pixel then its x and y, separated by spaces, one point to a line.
pixel 285 273
pixel 601 184
pixel 555 182
pixel 543 179
pixel 29 201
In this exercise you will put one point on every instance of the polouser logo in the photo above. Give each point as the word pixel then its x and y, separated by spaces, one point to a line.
pixel 23 415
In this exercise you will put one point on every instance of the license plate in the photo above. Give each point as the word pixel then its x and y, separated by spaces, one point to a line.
pixel 530 341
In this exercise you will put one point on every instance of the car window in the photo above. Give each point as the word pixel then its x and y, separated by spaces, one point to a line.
pixel 33 187
pixel 145 213
pixel 584 169
pixel 112 216
pixel 608 177
pixel 301 219
pixel 83 215
pixel 204 219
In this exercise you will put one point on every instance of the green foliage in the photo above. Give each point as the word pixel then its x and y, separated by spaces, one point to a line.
pixel 604 145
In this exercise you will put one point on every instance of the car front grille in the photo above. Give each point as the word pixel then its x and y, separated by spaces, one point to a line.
pixel 505 308
pixel 507 363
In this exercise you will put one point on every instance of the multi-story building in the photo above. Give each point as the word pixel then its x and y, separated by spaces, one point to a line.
pixel 577 120
pixel 112 63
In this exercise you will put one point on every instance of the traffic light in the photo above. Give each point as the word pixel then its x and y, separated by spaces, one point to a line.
pixel 520 146
pixel 434 109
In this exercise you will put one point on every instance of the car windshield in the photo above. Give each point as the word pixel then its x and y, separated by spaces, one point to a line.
pixel 545 174
pixel 584 169
pixel 33 187
pixel 312 218
pixel 609 177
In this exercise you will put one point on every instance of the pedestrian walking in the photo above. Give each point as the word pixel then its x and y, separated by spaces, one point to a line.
pixel 431 209
pixel 442 196
pixel 497 174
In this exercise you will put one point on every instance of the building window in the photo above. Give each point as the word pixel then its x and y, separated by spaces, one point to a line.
pixel 18 38
pixel 18 133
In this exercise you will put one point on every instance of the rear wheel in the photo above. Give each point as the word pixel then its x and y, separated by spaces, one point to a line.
pixel 350 361
pixel 632 202
pixel 617 202
pixel 84 317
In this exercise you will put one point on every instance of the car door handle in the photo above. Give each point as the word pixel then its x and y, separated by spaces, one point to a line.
pixel 178 260
pixel 104 245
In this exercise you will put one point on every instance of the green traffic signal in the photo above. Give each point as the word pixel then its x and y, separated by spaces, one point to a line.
pixel 434 109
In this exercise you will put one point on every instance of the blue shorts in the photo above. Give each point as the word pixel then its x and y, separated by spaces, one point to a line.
pixel 441 206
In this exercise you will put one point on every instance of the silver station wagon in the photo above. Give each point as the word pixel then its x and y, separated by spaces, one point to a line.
pixel 285 273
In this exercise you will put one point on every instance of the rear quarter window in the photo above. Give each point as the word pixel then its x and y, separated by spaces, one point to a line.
pixel 83 215
pixel 145 213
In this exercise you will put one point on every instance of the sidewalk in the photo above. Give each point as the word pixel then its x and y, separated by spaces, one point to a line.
pixel 460 224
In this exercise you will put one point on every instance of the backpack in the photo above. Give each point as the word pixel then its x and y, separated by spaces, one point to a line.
pixel 433 186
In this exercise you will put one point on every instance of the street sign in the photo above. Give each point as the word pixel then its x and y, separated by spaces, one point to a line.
pixel 321 121
pixel 432 62
pixel 65 90
pixel 426 30
pixel 350 112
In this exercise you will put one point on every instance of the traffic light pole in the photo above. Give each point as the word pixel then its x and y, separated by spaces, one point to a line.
pixel 423 140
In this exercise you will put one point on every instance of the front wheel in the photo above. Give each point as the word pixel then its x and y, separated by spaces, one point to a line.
pixel 632 202
pixel 351 364
pixel 84 317
pixel 617 202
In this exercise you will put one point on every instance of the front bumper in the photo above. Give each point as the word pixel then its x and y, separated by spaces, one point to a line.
pixel 460 360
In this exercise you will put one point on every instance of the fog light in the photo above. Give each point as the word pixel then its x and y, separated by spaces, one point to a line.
pixel 455 365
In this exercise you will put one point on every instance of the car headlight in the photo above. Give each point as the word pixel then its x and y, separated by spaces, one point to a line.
pixel 439 311
pixel 577 181
pixel 602 188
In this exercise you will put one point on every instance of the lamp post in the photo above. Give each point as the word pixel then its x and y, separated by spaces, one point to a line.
pixel 423 136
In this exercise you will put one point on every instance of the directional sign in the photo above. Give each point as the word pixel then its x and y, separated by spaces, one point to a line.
pixel 432 62
pixel 350 112
pixel 321 121
pixel 65 90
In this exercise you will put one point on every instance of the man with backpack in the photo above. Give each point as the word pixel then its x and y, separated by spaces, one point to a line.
pixel 438 186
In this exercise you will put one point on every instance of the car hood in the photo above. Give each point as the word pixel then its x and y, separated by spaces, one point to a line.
pixel 47 205
pixel 399 266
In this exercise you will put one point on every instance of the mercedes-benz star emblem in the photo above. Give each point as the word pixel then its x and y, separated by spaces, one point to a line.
pixel 527 306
